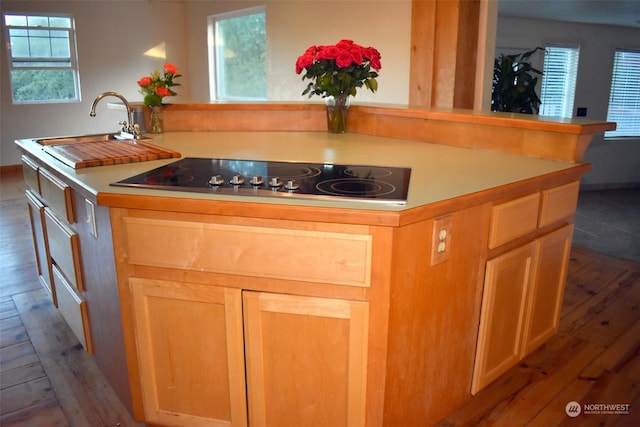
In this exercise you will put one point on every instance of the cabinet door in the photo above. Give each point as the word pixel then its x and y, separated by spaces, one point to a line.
pixel 36 216
pixel 191 353
pixel 502 316
pixel 306 360
pixel 547 291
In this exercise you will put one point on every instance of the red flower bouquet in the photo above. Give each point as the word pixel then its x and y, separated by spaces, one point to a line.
pixel 158 85
pixel 340 69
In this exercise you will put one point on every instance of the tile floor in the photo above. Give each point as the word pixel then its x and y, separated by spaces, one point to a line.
pixel 608 221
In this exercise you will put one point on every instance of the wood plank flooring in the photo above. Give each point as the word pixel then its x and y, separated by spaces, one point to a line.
pixel 46 379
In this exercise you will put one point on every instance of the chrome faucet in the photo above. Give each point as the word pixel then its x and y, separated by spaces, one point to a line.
pixel 127 126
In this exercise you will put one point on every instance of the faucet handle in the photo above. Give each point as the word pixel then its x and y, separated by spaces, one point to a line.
pixel 137 133
pixel 125 127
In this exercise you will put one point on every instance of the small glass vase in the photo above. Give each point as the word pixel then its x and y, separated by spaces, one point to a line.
pixel 155 119
pixel 337 113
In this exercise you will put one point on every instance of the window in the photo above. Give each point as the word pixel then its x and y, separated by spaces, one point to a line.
pixel 238 56
pixel 559 81
pixel 624 100
pixel 42 58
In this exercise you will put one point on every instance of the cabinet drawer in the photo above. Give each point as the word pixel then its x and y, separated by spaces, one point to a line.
pixel 559 203
pixel 64 249
pixel 30 174
pixel 74 310
pixel 56 194
pixel 513 219
pixel 314 256
pixel 36 215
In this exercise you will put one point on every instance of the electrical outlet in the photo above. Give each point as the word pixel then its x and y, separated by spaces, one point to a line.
pixel 91 217
pixel 441 239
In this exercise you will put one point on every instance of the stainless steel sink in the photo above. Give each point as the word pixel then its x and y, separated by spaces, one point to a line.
pixel 81 139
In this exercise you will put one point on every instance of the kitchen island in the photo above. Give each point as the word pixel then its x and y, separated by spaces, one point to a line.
pixel 210 309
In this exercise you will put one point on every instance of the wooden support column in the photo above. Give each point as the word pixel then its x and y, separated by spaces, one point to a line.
pixel 444 47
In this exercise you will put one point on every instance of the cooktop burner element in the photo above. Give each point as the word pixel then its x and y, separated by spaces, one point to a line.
pixel 278 179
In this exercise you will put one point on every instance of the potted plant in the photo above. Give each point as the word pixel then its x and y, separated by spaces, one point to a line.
pixel 514 84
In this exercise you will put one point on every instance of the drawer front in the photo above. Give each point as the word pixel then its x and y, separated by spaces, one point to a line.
pixel 74 310
pixel 559 203
pixel 513 219
pixel 56 194
pixel 40 244
pixel 30 174
pixel 314 256
pixel 64 249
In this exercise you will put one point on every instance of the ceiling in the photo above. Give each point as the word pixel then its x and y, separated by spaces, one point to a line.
pixel 606 12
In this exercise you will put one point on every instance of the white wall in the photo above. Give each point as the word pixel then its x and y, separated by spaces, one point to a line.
pixel 615 163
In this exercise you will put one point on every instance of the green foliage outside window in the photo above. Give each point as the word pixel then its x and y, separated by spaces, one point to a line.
pixel 42 85
pixel 242 57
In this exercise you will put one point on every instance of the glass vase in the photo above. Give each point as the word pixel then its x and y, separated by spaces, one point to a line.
pixel 337 113
pixel 155 119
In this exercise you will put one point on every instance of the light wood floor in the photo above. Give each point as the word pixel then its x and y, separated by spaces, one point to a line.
pixel 46 379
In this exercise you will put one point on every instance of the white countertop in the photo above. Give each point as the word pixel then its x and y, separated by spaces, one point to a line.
pixel 438 172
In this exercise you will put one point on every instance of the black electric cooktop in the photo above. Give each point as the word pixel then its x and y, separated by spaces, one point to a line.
pixel 379 184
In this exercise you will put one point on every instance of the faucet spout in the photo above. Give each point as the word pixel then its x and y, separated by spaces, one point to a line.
pixel 127 126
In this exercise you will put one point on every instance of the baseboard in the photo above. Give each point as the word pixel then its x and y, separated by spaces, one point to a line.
pixel 610 186
pixel 10 169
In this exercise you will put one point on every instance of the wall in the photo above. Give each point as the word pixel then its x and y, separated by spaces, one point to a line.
pixel 616 163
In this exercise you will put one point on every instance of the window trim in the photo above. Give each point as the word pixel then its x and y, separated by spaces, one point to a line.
pixel 72 60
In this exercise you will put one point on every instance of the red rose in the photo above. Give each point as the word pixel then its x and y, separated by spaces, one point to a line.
pixel 303 62
pixel 162 91
pixel 345 44
pixel 145 81
pixel 373 56
pixel 311 50
pixel 357 53
pixel 170 68
pixel 328 52
pixel 344 59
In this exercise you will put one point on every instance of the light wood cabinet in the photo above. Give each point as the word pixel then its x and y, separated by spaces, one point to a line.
pixel 306 360
pixel 73 308
pixel 305 356
pixel 75 260
pixel 547 290
pixel 504 306
pixel 38 229
pixel 523 287
pixel 190 346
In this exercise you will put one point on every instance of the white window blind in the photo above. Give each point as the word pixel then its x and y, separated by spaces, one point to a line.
pixel 559 81
pixel 624 100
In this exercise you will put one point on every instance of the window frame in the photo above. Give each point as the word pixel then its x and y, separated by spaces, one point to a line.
pixel 213 50
pixel 634 124
pixel 72 59
pixel 556 80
